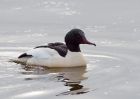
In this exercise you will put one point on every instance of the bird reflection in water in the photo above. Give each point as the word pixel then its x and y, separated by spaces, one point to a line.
pixel 72 77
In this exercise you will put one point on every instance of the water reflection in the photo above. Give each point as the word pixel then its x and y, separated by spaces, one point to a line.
pixel 76 88
pixel 71 77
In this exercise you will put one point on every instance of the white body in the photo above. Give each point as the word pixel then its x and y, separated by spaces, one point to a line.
pixel 50 58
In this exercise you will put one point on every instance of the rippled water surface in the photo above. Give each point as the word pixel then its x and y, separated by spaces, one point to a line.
pixel 113 69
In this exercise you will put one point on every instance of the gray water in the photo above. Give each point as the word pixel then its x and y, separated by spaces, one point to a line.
pixel 113 68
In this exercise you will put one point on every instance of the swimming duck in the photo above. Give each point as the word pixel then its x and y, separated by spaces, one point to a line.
pixel 58 54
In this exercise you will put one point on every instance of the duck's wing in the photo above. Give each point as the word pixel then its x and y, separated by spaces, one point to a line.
pixel 43 52
pixel 61 48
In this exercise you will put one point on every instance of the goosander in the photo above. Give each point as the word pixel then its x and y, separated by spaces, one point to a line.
pixel 57 54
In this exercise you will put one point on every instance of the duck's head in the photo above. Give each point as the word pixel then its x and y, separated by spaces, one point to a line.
pixel 74 38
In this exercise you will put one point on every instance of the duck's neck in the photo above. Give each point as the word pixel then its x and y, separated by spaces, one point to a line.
pixel 74 48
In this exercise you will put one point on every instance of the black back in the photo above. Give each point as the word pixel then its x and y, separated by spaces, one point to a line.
pixel 61 48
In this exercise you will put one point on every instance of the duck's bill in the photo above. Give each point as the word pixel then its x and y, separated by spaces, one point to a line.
pixel 90 43
pixel 85 41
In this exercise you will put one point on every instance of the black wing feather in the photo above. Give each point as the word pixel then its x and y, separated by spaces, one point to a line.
pixel 61 48
pixel 25 55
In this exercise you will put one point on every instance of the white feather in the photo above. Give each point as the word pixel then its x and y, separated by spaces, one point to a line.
pixel 42 52
pixel 51 58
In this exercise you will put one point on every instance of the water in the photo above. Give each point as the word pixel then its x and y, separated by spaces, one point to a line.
pixel 113 66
